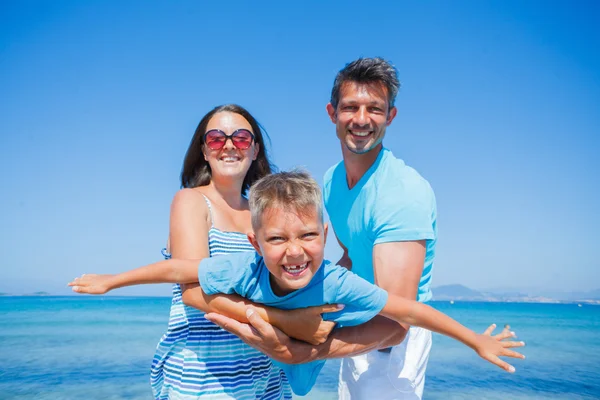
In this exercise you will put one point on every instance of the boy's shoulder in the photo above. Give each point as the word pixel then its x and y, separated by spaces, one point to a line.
pixel 333 277
pixel 325 282
pixel 238 273
pixel 331 270
pixel 240 259
pixel 362 300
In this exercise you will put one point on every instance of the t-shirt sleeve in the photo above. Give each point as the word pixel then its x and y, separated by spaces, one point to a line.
pixel 405 218
pixel 327 182
pixel 227 274
pixel 362 300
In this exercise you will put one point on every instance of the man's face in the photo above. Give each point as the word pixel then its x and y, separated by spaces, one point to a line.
pixel 362 115
pixel 292 246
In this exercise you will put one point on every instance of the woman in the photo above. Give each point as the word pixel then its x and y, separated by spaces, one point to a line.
pixel 209 217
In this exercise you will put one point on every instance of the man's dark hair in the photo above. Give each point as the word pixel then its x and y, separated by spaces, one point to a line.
pixel 367 70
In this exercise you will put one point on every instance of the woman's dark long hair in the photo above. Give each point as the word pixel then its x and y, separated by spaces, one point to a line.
pixel 196 170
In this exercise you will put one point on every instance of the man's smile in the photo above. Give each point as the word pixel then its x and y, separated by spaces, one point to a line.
pixel 360 133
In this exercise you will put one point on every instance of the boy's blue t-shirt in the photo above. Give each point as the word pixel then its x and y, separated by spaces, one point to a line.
pixel 247 275
pixel 390 203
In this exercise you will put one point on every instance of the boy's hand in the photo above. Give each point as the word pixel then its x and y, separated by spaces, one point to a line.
pixel 307 324
pixel 490 347
pixel 92 284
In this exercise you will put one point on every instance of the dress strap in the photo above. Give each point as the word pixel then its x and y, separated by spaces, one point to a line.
pixel 212 225
pixel 165 253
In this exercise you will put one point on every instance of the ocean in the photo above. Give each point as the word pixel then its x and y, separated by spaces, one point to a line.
pixel 101 348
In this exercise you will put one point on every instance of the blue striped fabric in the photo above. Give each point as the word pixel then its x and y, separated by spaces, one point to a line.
pixel 197 359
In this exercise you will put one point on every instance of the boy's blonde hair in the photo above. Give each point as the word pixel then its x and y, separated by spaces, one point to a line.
pixel 294 190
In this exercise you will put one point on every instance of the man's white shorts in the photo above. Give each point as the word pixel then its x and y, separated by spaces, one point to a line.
pixel 396 375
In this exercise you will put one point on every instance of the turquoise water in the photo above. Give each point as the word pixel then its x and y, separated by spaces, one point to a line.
pixel 102 347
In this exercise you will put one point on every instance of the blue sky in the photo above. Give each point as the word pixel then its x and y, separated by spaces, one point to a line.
pixel 498 110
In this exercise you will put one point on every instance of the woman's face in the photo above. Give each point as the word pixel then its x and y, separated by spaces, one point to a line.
pixel 230 161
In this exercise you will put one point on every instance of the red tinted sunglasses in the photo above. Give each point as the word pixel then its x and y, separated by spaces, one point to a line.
pixel 215 139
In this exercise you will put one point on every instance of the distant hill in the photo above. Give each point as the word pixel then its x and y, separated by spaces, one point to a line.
pixel 41 293
pixel 462 293
pixel 563 296
pixel 455 292
pixel 594 294
pixel 591 295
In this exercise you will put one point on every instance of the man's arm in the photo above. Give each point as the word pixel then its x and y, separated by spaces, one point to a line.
pixel 277 345
pixel 398 267
pixel 305 324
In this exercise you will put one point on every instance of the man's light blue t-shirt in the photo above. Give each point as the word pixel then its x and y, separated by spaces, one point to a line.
pixel 390 203
pixel 246 274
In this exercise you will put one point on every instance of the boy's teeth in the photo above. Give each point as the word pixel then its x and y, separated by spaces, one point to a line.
pixel 295 268
pixel 360 133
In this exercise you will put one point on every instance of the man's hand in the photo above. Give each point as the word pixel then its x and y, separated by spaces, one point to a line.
pixel 378 333
pixel 307 324
pixel 265 337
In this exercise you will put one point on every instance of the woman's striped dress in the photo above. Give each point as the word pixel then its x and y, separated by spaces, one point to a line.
pixel 198 359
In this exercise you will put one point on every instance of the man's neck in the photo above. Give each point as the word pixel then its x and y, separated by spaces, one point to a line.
pixel 356 165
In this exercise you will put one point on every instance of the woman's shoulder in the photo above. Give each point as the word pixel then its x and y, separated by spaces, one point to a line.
pixel 189 200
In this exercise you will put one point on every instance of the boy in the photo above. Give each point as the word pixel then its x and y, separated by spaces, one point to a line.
pixel 287 271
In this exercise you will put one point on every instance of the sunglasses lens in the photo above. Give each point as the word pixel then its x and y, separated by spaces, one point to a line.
pixel 215 139
pixel 242 139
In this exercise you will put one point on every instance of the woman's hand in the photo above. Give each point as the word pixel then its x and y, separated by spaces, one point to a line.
pixel 490 347
pixel 92 284
pixel 307 324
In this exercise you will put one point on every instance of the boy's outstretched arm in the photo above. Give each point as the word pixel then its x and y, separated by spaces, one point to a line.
pixel 418 314
pixel 303 324
pixel 167 271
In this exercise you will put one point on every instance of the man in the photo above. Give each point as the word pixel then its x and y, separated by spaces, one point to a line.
pixel 384 215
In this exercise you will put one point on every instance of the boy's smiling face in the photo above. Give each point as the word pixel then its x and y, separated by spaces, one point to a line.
pixel 292 245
